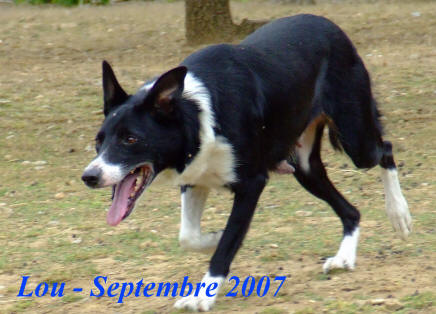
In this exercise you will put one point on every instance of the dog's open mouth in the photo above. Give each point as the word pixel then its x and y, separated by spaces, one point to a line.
pixel 127 192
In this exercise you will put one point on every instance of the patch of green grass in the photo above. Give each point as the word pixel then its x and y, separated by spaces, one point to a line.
pixel 307 310
pixel 71 298
pixel 85 270
pixel 343 307
pixel 359 296
pixel 67 3
pixel 13 289
pixel 34 232
pixel 337 271
pixel 322 276
pixel 420 301
pixel 276 255
pixel 313 296
pixel 3 262
pixel 272 310
pixel 58 277
pixel 21 306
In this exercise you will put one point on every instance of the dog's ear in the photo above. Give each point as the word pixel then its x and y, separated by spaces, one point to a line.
pixel 167 89
pixel 113 93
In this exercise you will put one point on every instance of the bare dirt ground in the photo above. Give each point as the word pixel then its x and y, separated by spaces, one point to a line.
pixel 53 229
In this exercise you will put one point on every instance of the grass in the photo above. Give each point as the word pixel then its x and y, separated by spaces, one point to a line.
pixel 272 310
pixel 21 306
pixel 53 228
pixel 71 298
pixel 420 301
pixel 67 3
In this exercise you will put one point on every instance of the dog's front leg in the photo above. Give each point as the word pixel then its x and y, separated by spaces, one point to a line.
pixel 247 194
pixel 190 236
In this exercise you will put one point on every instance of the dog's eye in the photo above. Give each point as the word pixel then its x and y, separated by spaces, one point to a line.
pixel 98 142
pixel 130 139
pixel 99 138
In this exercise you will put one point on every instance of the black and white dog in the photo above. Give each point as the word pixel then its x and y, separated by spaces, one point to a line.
pixel 229 115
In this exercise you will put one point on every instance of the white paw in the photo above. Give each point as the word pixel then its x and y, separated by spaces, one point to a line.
pixel 201 303
pixel 339 262
pixel 206 242
pixel 210 240
pixel 399 215
pixel 396 205
pixel 346 256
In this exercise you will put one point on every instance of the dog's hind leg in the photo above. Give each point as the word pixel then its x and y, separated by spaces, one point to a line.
pixel 311 174
pixel 348 101
pixel 190 236
pixel 396 205
pixel 362 141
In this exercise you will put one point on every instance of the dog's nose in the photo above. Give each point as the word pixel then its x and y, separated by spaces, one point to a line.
pixel 91 177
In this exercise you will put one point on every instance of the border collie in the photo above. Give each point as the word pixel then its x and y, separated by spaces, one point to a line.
pixel 231 114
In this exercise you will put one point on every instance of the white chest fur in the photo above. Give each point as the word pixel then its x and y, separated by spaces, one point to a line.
pixel 213 165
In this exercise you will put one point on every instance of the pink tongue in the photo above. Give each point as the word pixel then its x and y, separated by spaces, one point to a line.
pixel 121 198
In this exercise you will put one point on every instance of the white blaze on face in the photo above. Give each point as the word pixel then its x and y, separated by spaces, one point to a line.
pixel 110 174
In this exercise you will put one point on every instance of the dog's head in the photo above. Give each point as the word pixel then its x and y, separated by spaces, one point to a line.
pixel 140 136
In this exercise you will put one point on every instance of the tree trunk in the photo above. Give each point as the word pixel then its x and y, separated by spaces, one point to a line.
pixel 208 20
pixel 211 21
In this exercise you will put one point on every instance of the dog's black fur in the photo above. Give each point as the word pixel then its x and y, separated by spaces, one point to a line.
pixel 291 75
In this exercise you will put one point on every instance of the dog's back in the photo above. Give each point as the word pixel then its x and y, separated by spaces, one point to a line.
pixel 295 69
pixel 303 39
pixel 313 44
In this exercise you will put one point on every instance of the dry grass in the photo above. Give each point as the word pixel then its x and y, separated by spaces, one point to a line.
pixel 53 228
